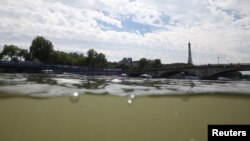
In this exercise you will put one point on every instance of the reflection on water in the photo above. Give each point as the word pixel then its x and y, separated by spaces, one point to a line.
pixel 52 85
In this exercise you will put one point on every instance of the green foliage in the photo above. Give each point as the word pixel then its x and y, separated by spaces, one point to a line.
pixel 149 64
pixel 101 61
pixel 93 60
pixel 10 51
pixel 41 49
pixel 15 53
pixel 156 63
pixel 63 58
pixel 90 60
pixel 23 53
pixel 143 63
pixel 96 60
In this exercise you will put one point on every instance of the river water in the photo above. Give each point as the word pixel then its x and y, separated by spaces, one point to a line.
pixel 53 85
pixel 109 108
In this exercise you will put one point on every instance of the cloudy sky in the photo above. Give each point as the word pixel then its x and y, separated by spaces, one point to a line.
pixel 133 28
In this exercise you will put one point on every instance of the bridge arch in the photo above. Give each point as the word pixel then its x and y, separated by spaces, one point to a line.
pixel 219 73
pixel 174 72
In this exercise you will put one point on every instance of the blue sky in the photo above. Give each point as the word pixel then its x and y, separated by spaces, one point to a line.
pixel 133 28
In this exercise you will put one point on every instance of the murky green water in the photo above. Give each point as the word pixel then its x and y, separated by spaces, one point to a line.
pixel 71 107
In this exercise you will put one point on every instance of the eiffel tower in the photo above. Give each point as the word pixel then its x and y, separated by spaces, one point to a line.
pixel 190 62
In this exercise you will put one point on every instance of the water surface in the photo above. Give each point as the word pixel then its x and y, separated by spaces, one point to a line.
pixel 52 85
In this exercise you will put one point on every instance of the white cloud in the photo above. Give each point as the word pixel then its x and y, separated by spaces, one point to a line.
pixel 214 27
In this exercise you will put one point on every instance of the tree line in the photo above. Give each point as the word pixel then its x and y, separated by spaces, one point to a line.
pixel 42 50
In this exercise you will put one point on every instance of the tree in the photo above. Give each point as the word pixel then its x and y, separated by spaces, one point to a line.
pixel 90 61
pixel 96 60
pixel 41 49
pixel 64 58
pixel 23 53
pixel 15 53
pixel 143 63
pixel 101 61
pixel 156 63
pixel 10 51
pixel 27 56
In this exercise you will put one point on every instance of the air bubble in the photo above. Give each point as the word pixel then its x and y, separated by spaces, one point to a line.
pixel 130 101
pixel 132 96
pixel 74 97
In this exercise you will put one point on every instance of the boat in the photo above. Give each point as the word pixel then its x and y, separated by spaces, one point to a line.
pixel 147 76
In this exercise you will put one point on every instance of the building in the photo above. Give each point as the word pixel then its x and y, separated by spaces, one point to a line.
pixel 126 61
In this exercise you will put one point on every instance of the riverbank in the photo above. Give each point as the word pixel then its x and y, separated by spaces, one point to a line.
pixel 110 118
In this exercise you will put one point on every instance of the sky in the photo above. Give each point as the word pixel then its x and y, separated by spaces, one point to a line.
pixel 219 30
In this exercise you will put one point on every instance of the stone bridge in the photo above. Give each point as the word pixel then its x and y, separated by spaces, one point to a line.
pixel 202 71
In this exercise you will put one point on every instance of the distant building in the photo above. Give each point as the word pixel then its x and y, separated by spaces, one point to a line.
pixel 190 62
pixel 126 61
